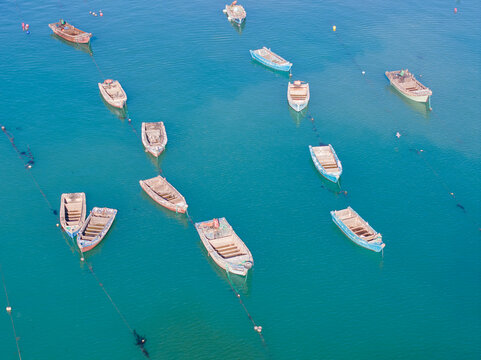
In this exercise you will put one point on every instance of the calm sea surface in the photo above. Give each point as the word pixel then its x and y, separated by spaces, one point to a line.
pixel 236 150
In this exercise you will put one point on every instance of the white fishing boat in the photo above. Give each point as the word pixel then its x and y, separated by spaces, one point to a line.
pixel 154 137
pixel 224 246
pixel 235 13
pixel 405 82
pixel 73 209
pixel 163 193
pixel 95 228
pixel 113 93
pixel 298 95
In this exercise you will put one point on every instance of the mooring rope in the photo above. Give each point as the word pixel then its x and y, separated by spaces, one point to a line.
pixel 9 312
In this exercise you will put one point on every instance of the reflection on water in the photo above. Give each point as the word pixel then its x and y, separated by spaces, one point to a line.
pixel 238 28
pixel 240 283
pixel 283 74
pixel 421 108
pixel 82 47
pixel 156 161
pixel 297 116
pixel 335 188
pixel 120 113
pixel 182 218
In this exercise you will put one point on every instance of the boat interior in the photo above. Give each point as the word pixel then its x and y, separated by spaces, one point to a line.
pixel 164 191
pixel 326 158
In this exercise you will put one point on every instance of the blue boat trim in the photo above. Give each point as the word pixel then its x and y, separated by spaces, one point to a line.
pixel 257 57
pixel 377 247
pixel 320 168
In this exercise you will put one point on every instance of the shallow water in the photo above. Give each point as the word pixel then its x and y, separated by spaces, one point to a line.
pixel 236 150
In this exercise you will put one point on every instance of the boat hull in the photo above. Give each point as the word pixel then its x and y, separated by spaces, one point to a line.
pixel 298 106
pixel 164 203
pixel 331 177
pixel 270 64
pixel 221 262
pixel 420 99
pixel 354 238
pixel 119 104
pixel 79 39
pixel 85 245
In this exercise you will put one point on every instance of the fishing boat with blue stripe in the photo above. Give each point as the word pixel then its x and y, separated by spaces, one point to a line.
pixel 235 13
pixel 73 209
pixel 268 58
pixel 95 228
pixel 357 229
pixel 326 161
pixel 224 246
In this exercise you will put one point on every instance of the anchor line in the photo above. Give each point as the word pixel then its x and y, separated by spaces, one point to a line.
pixel 9 311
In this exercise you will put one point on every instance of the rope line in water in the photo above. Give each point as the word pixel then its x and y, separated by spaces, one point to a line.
pixel 9 312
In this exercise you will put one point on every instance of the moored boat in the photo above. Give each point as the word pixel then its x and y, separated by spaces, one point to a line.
pixel 72 212
pixel 326 161
pixel 95 228
pixel 113 93
pixel 70 32
pixel 405 82
pixel 298 95
pixel 163 193
pixel 268 58
pixel 154 137
pixel 357 229
pixel 224 246
pixel 235 13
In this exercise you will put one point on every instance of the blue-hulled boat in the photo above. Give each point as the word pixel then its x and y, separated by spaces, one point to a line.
pixel 326 161
pixel 357 229
pixel 266 57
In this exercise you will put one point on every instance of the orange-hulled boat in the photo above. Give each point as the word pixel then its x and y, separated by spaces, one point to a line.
pixel 70 32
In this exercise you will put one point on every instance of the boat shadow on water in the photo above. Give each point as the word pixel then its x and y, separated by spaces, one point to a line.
pixel 238 28
pixel 182 218
pixel 121 114
pixel 241 284
pixel 335 188
pixel 297 116
pixel 421 108
pixel 81 47
pixel 278 73
pixel 156 161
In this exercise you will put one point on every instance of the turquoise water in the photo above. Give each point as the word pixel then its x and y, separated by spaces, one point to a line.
pixel 236 150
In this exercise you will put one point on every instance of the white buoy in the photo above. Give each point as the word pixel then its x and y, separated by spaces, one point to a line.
pixel 57 225
pixel 398 135
pixel 363 72
pixel 9 309
pixel 229 18
pixel 224 11
pixel 82 259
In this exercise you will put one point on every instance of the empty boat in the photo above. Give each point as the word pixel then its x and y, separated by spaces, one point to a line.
pixel 268 58
pixel 326 161
pixel 154 137
pixel 163 193
pixel 113 93
pixel 235 13
pixel 95 228
pixel 298 95
pixel 357 229
pixel 70 32
pixel 405 82
pixel 72 212
pixel 224 246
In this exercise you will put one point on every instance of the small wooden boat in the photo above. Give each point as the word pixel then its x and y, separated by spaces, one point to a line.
pixel 326 161
pixel 70 32
pixel 266 57
pixel 95 228
pixel 224 246
pixel 72 212
pixel 405 82
pixel 154 137
pixel 235 13
pixel 113 93
pixel 298 95
pixel 163 193
pixel 357 229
